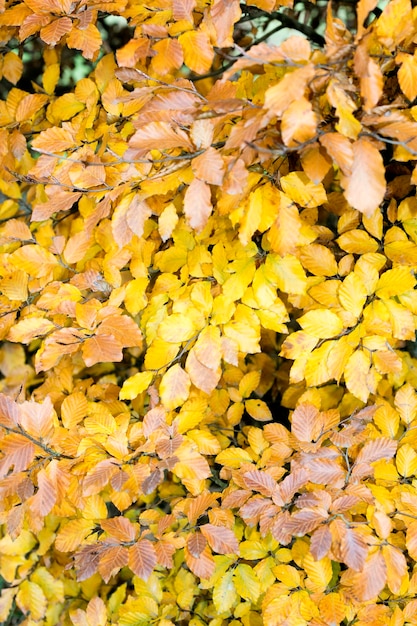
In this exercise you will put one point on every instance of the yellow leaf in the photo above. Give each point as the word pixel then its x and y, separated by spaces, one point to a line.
pixel 288 273
pixel 259 410
pixel 167 221
pixel 206 442
pixel 321 323
pixel 319 572
pixel 402 320
pixel 407 75
pixel 302 190
pixel 395 282
pixel 246 582
pixel 224 593
pixel 249 382
pixel 50 77
pixel 406 461
pixel 233 457
pixel 176 328
pixel 353 294
pixel 12 67
pixel 31 599
pixel 356 373
pixel 174 387
pixel 318 260
pixel 298 344
pixel 160 354
pixel 357 242
pixel 15 285
pixel 135 385
pixel 135 295
pixel 387 420
pixel 406 403
pixel 64 108
pixel 34 260
pixel 72 534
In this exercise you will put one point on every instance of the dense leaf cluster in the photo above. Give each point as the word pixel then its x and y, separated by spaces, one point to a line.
pixel 207 207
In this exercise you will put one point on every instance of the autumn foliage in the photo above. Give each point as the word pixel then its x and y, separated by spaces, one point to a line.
pixel 208 223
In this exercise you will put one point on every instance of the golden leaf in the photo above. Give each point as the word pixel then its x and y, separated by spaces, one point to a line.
pixel 174 387
pixel 321 323
pixel 289 89
pixel 198 51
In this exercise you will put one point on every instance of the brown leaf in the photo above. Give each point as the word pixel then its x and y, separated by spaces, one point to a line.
pixel 196 543
pixel 353 549
pixel 221 540
pixel 259 481
pixel 321 541
pixel 377 449
pixel 112 560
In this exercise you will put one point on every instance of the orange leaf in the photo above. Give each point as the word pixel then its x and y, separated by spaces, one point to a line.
pixel 54 140
pixel 371 581
pixel 365 187
pixel 101 349
pixel 203 565
pixel 396 567
pixel 290 88
pixel 260 481
pixel 53 32
pixel 305 423
pixel 142 558
pixel 169 56
pixel 198 51
pixel 183 9
pixel 209 166
pixel 111 561
pixel 18 452
pixel 197 204
pixel 119 528
pixel 224 15
pixel 340 149
pixel 44 499
pixel 202 377
pixel 161 134
pixel 299 122
pixel 88 40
